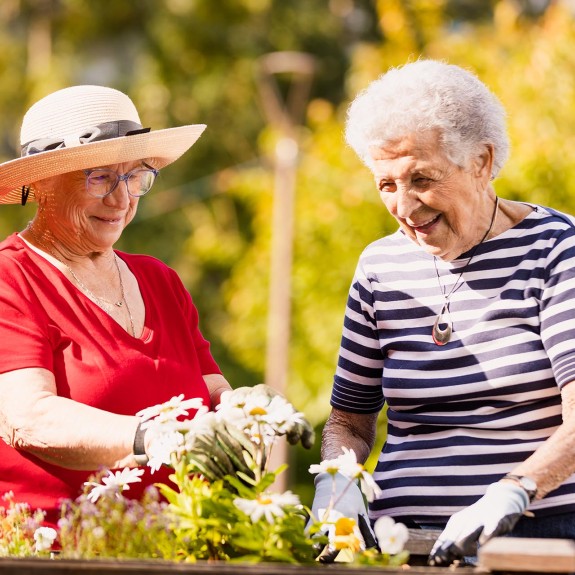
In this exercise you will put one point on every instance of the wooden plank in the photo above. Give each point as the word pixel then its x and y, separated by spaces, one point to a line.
pixel 419 544
pixel 421 541
pixel 10 566
pixel 528 555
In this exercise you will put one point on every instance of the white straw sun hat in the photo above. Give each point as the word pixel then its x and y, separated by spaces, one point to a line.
pixel 86 127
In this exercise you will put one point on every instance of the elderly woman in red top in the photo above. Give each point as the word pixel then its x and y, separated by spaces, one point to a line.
pixel 90 335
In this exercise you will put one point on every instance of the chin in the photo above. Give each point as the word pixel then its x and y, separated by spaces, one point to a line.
pixel 429 248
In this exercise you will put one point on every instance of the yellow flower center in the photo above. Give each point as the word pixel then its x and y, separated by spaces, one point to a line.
pixel 344 526
pixel 258 411
pixel 350 542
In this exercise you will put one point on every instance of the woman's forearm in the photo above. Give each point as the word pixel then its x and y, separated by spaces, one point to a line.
pixel 554 461
pixel 59 430
pixel 348 430
pixel 75 436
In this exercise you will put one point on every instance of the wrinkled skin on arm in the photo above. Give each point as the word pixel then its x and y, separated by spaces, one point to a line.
pixel 554 461
pixel 351 430
pixel 67 433
pixel 58 430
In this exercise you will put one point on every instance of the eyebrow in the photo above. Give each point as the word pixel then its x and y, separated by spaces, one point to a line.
pixel 142 163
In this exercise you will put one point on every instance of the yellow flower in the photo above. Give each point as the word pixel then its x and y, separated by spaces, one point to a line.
pixel 344 526
pixel 345 535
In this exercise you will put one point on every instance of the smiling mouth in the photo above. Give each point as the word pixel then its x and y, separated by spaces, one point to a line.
pixel 428 226
pixel 109 220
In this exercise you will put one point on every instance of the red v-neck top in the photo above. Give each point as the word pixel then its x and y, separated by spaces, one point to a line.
pixel 46 322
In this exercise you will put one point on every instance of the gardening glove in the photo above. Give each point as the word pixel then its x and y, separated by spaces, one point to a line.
pixel 296 431
pixel 496 513
pixel 347 500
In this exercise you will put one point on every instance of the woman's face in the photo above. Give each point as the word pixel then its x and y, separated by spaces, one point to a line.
pixel 443 208
pixel 80 221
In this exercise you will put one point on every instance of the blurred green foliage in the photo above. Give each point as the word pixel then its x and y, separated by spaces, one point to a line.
pixel 195 61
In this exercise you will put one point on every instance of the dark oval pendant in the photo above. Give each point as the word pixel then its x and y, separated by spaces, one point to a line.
pixel 441 336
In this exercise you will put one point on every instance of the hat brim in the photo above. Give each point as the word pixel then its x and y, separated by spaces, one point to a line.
pixel 161 148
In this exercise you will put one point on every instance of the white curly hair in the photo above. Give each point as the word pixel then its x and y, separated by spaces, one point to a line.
pixel 426 95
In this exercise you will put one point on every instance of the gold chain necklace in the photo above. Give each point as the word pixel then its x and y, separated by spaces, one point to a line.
pixel 442 335
pixel 119 303
pixel 99 301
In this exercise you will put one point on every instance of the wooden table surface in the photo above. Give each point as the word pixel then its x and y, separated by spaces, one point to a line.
pixel 10 566
pixel 502 555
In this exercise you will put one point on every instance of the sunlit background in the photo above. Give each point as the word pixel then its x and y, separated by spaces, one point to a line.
pixel 211 214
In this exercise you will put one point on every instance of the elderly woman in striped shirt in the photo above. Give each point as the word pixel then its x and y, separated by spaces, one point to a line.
pixel 462 322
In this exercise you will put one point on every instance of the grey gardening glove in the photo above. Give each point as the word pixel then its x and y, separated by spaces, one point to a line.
pixel 496 513
pixel 350 504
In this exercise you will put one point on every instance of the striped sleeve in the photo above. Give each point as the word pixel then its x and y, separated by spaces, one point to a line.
pixel 357 382
pixel 558 309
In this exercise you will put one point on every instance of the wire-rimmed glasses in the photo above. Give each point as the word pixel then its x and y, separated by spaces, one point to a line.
pixel 100 182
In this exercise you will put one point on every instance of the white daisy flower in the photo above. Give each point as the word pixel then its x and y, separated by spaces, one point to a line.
pixel 161 448
pixel 330 466
pixel 257 406
pixel 114 483
pixel 204 426
pixel 348 464
pixel 242 399
pixel 260 432
pixel 224 399
pixel 281 415
pixel 231 410
pixel 44 538
pixel 370 488
pixel 268 505
pixel 171 410
pixel 391 536
pixel 233 415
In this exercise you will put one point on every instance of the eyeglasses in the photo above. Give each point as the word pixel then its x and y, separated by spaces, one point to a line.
pixel 102 182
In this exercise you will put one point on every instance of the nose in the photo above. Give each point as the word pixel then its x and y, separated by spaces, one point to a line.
pixel 119 196
pixel 406 202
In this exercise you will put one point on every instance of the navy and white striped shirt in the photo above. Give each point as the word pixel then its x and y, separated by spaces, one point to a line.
pixel 462 415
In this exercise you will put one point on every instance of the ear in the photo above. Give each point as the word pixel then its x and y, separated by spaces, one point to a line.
pixel 483 163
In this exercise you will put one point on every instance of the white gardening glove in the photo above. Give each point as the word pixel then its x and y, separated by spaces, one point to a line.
pixel 348 501
pixel 496 513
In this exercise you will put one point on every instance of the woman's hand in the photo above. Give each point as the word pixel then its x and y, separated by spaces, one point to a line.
pixel 217 384
pixel 342 495
pixel 496 513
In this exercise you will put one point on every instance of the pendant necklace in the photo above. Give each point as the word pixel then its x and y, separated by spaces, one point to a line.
pixel 442 335
pixel 99 301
